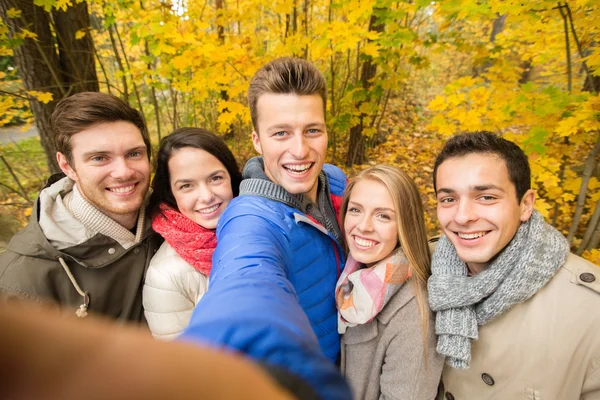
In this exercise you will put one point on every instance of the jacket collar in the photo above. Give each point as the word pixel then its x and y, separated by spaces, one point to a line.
pixel 257 183
pixel 94 253
pixel 365 332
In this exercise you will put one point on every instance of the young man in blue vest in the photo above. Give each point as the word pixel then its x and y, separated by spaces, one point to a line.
pixel 279 250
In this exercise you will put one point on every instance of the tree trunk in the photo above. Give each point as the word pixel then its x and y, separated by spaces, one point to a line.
pixel 61 66
pixel 356 147
pixel 38 66
pixel 588 171
pixel 76 56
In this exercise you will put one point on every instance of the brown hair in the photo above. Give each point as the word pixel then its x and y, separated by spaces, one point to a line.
pixel 412 235
pixel 286 75
pixel 82 110
pixel 196 138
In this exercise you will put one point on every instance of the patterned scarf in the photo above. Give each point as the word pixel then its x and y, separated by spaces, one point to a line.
pixel 361 293
pixel 191 241
pixel 464 303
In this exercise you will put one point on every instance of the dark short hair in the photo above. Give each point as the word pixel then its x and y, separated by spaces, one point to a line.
pixel 196 138
pixel 81 111
pixel 485 142
pixel 286 75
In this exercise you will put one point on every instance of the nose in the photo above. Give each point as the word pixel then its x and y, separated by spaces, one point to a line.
pixel 299 147
pixel 465 213
pixel 205 194
pixel 365 224
pixel 122 170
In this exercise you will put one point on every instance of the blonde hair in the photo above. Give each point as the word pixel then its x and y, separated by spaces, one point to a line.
pixel 412 235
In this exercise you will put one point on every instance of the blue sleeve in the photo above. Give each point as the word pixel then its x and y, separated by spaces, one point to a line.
pixel 252 307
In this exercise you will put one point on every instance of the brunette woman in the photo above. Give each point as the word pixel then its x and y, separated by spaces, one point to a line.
pixel 196 178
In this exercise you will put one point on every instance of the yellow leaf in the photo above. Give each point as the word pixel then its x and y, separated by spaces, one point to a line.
pixel 27 34
pixel 79 34
pixel 543 207
pixel 44 97
pixel 13 13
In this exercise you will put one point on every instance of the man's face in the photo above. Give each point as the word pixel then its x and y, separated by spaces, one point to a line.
pixel 477 207
pixel 110 165
pixel 292 139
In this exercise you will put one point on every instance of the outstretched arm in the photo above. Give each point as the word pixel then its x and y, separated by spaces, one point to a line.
pixel 252 307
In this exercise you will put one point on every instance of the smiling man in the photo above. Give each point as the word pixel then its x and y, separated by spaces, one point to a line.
pixel 279 248
pixel 88 242
pixel 517 313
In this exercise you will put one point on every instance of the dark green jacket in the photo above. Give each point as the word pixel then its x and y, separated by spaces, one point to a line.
pixel 111 276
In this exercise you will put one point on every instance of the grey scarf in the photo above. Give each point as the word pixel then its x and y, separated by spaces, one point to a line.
pixel 463 303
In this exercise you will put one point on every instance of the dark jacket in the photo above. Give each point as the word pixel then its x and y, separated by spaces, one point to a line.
pixel 110 275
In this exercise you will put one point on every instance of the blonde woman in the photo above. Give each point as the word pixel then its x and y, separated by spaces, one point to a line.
pixel 388 347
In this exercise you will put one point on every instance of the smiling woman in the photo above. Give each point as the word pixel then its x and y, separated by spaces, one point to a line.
pixel 196 178
pixel 388 349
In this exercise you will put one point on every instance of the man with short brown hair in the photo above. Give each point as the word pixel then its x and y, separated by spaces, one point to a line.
pixel 279 250
pixel 88 242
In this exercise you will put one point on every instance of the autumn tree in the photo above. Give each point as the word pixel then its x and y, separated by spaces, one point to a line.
pixel 54 55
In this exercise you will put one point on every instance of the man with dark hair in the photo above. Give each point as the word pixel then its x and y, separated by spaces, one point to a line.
pixel 279 250
pixel 517 313
pixel 88 242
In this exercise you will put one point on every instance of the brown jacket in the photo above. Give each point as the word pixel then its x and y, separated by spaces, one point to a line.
pixel 547 348
pixel 383 359
pixel 112 276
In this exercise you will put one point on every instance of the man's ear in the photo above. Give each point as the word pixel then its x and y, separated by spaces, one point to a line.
pixel 256 142
pixel 527 202
pixel 64 165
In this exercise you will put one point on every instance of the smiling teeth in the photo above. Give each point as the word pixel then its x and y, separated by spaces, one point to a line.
pixel 209 209
pixel 364 242
pixel 122 189
pixel 299 168
pixel 471 235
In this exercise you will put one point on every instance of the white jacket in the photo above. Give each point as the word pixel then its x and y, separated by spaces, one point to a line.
pixel 171 291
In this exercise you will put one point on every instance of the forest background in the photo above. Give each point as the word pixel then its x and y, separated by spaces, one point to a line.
pixel 403 76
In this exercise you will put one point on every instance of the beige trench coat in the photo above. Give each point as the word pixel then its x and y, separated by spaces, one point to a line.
pixel 383 359
pixel 547 348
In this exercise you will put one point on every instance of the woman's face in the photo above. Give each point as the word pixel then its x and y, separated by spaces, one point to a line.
pixel 200 184
pixel 370 223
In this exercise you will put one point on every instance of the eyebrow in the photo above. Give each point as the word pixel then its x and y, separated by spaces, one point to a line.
pixel 376 209
pixel 104 152
pixel 476 188
pixel 187 180
pixel 287 126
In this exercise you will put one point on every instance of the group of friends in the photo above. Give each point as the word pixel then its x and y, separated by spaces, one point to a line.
pixel 330 286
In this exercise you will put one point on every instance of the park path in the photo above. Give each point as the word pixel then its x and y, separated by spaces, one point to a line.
pixel 15 133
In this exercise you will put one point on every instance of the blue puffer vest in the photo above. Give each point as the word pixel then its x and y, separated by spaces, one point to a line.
pixel 273 262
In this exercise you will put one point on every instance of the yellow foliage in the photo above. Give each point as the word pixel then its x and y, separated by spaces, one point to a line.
pixel 44 97
pixel 13 13
pixel 80 34
pixel 592 256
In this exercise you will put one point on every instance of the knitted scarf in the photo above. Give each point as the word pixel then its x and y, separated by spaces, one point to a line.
pixel 463 303
pixel 191 241
pixel 361 293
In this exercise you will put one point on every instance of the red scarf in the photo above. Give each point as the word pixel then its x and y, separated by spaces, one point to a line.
pixel 191 241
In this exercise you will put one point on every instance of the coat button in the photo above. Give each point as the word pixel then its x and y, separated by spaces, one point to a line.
pixel 136 250
pixel 111 250
pixel 587 277
pixel 487 378
pixel 449 396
